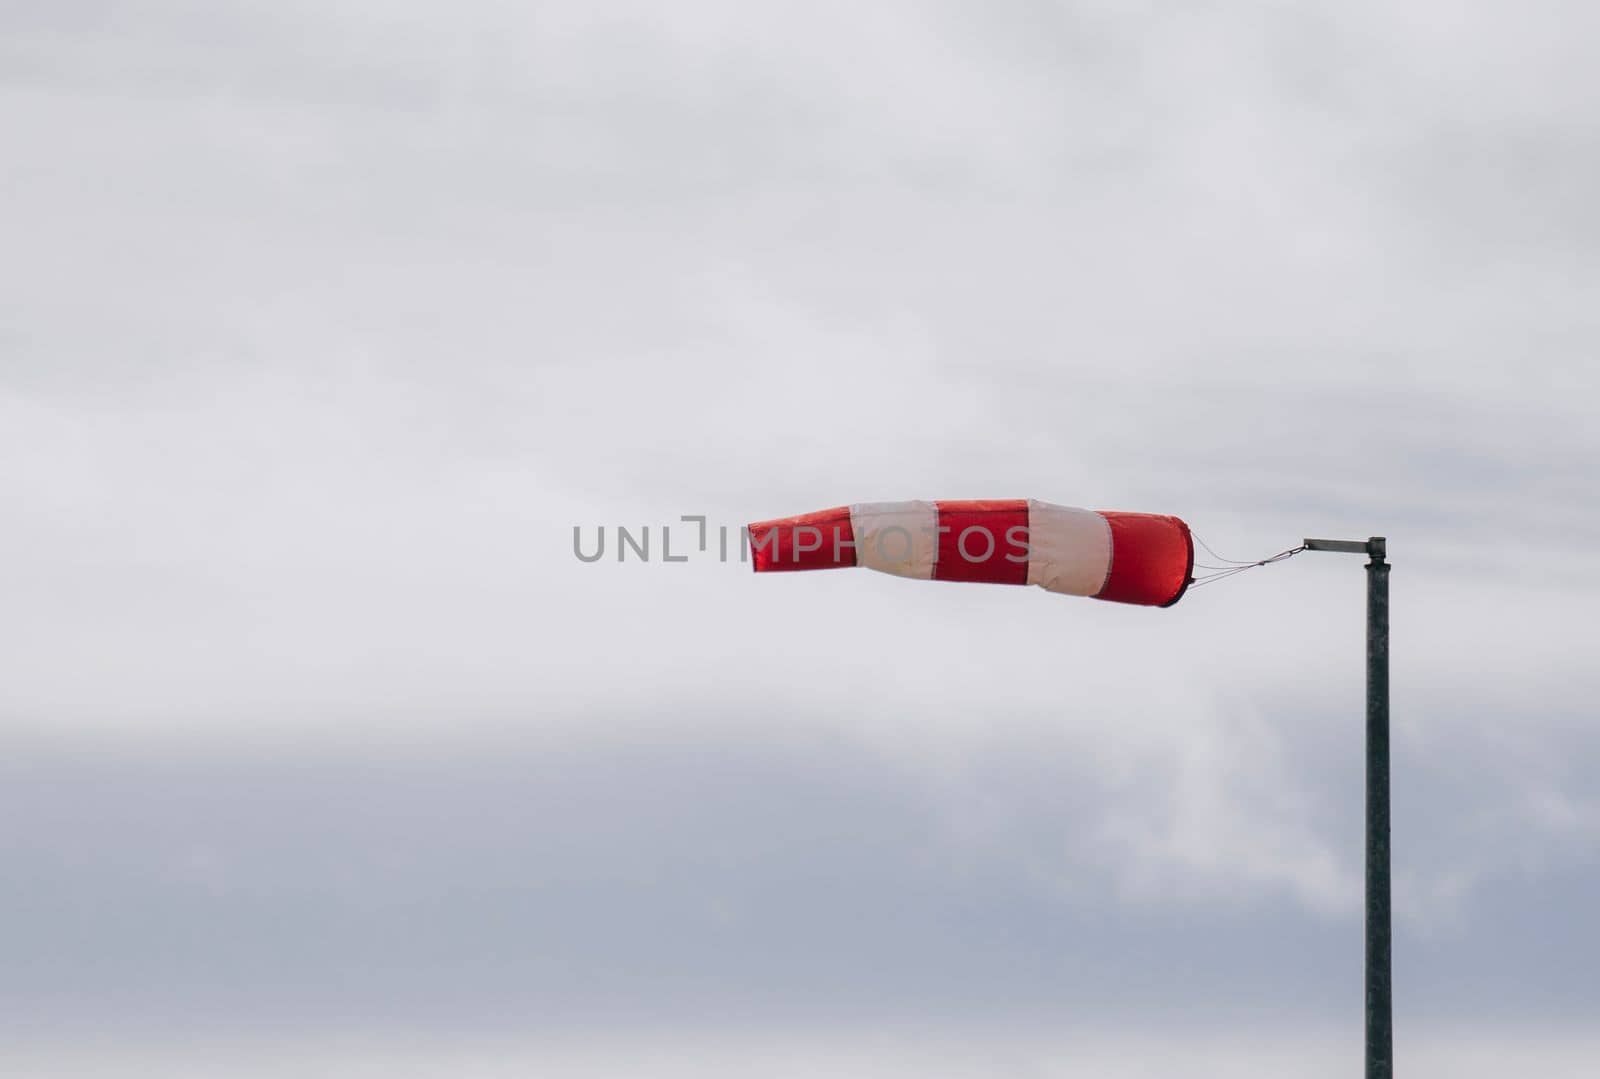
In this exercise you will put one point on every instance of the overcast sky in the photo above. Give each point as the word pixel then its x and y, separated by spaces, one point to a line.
pixel 320 331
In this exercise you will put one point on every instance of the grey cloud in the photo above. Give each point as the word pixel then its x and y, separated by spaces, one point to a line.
pixel 322 329
pixel 758 873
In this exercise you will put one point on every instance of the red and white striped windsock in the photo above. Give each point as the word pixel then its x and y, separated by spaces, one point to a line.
pixel 1142 558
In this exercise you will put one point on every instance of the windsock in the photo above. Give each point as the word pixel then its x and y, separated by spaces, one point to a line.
pixel 1140 558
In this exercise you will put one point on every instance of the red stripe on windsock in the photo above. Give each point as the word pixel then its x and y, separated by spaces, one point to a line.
pixel 975 538
pixel 1152 557
pixel 821 540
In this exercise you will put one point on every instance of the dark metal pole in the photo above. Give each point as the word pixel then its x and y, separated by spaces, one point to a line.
pixel 1380 1015
pixel 1380 1006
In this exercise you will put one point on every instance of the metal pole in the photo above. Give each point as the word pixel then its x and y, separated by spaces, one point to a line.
pixel 1380 1008
pixel 1380 1016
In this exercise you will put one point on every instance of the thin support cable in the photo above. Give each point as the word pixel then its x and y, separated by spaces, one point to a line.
pixel 1236 566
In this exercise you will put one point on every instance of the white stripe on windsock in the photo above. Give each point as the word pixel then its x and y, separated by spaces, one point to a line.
pixel 1069 550
pixel 896 537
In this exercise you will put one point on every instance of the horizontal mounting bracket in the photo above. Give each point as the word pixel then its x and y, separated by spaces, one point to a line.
pixel 1374 546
